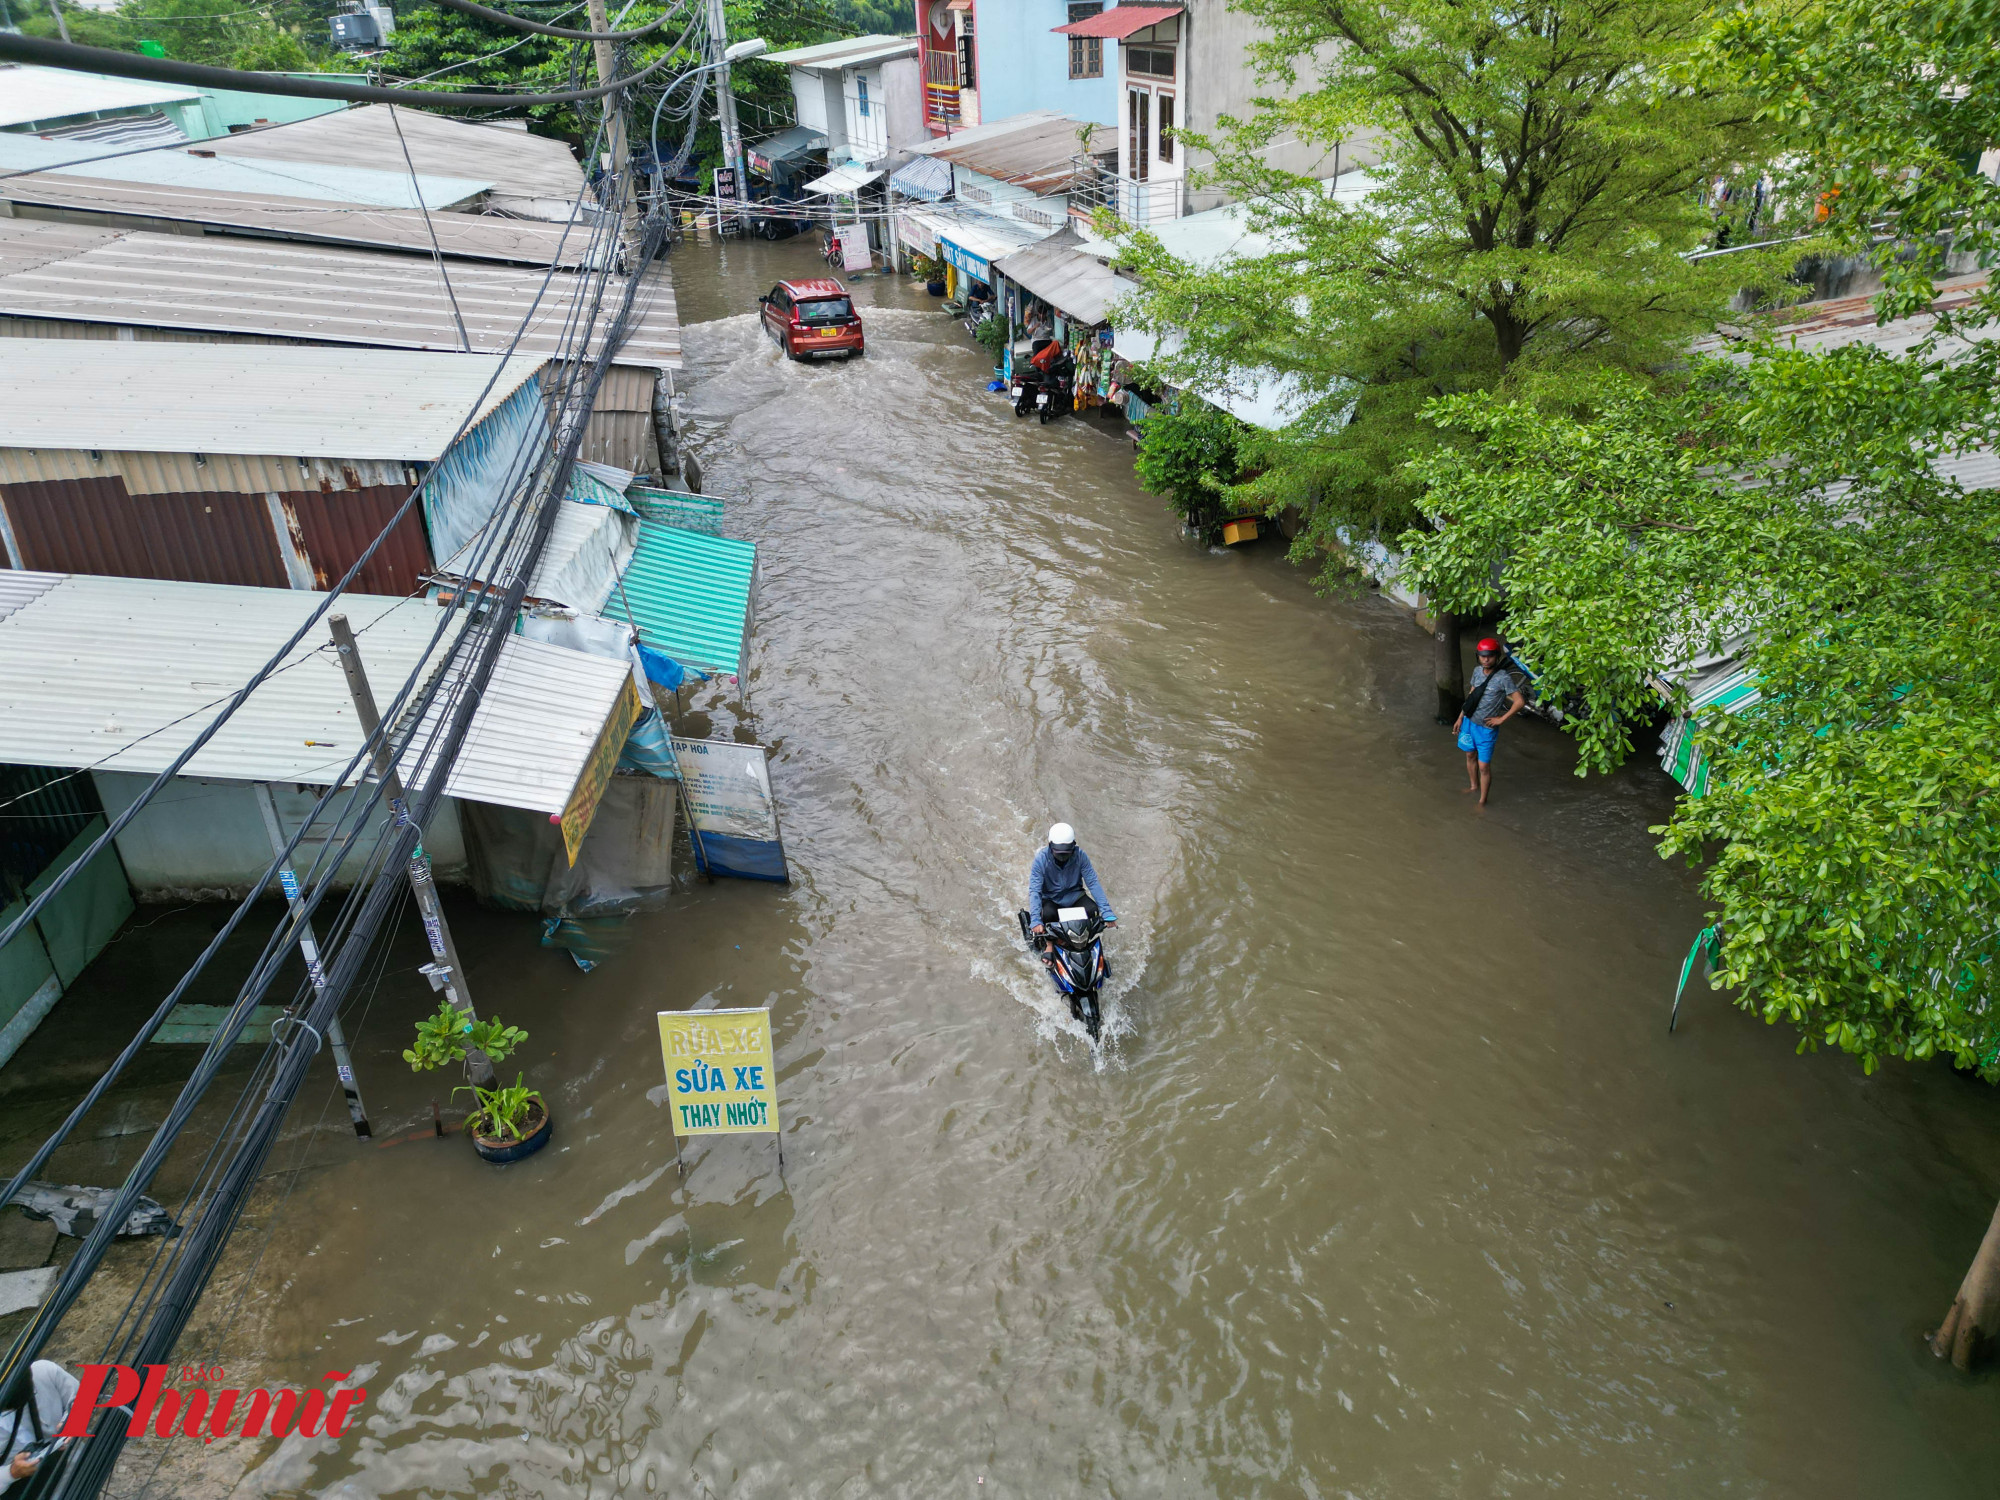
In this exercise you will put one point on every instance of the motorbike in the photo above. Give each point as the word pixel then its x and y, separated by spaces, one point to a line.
pixel 1073 948
pixel 1057 392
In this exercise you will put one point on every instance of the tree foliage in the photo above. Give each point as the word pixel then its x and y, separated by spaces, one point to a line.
pixel 1542 175
pixel 1191 455
pixel 288 36
pixel 1796 507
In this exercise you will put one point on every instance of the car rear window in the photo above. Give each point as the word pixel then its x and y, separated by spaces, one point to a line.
pixel 826 310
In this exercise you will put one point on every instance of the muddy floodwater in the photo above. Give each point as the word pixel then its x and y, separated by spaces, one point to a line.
pixel 1388 1181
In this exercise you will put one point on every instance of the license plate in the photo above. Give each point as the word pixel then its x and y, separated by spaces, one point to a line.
pixel 1017 393
pixel 829 333
pixel 1042 399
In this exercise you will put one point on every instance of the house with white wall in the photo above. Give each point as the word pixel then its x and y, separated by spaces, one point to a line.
pixel 863 94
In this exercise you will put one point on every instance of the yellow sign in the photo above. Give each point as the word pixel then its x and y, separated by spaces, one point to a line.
pixel 720 1079
pixel 596 775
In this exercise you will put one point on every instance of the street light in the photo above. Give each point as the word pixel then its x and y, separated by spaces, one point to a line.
pixel 741 50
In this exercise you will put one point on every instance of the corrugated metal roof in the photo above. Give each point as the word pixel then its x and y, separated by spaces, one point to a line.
pixel 1074 282
pixel 852 53
pixel 307 292
pixel 1031 150
pixel 689 594
pixel 209 173
pixel 579 565
pixel 31 95
pixel 517 163
pixel 244 398
pixel 122 673
pixel 25 244
pixel 1120 21
pixel 18 587
pixel 461 236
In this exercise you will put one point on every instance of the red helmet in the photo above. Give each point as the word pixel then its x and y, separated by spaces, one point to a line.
pixel 1489 644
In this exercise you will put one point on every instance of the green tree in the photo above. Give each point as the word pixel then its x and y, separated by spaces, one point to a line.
pixel 1795 508
pixel 1192 455
pixel 1541 179
pixel 480 53
pixel 289 36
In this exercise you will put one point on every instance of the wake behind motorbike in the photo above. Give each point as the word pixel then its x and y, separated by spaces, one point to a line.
pixel 1072 947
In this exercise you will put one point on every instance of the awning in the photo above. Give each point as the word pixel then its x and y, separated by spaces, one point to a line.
pixel 923 177
pixel 674 507
pixel 1269 399
pixel 689 595
pixel 1120 21
pixel 847 179
pixel 1075 283
pixel 775 151
pixel 973 243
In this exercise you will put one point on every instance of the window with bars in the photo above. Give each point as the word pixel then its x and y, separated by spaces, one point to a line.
pixel 1086 56
pixel 1152 62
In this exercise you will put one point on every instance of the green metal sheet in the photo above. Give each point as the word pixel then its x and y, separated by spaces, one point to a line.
pixel 678 508
pixel 689 595
pixel 197 1025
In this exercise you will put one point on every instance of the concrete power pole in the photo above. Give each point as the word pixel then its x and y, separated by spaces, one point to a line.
pixel 336 1039
pixel 725 98
pixel 625 200
pixel 444 971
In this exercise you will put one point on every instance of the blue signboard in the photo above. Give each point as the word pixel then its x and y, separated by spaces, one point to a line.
pixel 972 265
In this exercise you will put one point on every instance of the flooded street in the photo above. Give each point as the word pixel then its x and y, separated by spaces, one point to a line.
pixel 1388 1181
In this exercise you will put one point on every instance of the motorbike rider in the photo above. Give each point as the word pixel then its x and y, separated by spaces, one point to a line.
pixel 1062 875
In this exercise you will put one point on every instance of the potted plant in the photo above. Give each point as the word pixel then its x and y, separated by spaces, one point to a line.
pixel 510 1122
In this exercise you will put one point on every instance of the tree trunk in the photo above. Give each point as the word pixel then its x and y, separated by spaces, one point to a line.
pixel 1974 1319
pixel 1446 667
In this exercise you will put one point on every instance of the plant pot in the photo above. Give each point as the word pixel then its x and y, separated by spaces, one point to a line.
pixel 503 1149
pixel 935 288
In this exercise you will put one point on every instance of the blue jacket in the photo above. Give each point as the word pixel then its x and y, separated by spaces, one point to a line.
pixel 1064 884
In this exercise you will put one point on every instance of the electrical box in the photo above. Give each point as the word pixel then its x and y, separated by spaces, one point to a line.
pixel 364 26
pixel 354 30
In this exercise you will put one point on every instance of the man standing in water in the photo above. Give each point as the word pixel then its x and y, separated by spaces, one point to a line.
pixel 1492 685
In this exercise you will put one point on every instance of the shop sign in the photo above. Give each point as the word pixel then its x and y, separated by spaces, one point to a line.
pixel 732 815
pixel 972 265
pixel 720 1078
pixel 589 789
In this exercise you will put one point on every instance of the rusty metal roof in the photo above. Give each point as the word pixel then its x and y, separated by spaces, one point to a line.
pixel 263 288
pixel 245 398
pixel 1031 150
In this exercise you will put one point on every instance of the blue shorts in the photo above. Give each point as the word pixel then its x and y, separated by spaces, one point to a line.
pixel 1476 737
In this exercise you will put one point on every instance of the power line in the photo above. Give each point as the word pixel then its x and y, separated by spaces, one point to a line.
pixel 40 50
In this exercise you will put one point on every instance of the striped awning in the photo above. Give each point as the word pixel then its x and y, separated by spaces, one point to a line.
pixel 689 595
pixel 923 177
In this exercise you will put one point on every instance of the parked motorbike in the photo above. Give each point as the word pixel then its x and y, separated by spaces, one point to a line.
pixel 1057 392
pixel 1073 948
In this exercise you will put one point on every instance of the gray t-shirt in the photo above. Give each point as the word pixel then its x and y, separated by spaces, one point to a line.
pixel 1495 688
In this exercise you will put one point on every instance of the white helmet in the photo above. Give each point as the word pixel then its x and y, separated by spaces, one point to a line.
pixel 1061 834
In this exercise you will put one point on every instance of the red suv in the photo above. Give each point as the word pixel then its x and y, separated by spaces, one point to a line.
pixel 812 317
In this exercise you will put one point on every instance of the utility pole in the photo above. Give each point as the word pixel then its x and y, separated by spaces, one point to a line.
pixel 336 1039
pixel 1446 665
pixel 725 98
pixel 444 971
pixel 62 26
pixel 626 202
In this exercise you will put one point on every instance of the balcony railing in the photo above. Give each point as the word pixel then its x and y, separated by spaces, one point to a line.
pixel 940 88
